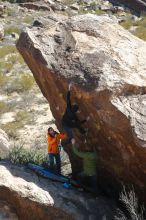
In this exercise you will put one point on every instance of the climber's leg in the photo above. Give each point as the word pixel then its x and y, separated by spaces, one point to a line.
pixel 51 161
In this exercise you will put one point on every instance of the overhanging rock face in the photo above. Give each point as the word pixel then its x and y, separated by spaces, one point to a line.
pixel 107 65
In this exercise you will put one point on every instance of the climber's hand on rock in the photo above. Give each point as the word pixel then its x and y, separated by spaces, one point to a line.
pixel 88 118
pixel 85 141
pixel 73 141
pixel 70 86
pixel 57 108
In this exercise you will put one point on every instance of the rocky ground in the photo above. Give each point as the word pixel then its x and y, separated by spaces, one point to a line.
pixel 61 203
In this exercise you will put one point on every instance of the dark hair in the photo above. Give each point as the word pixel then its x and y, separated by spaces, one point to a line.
pixel 75 108
pixel 49 128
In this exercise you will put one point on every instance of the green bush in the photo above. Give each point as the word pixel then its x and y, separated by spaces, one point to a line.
pixel 99 12
pixel 141 29
pixel 141 33
pixel 20 155
pixel 6 66
pixel 11 128
pixel 3 79
pixel 69 2
pixel 28 19
pixel 19 58
pixel 9 49
pixel 22 116
pixel 3 107
pixel 127 24
pixel 140 24
pixel 11 11
pixel 24 83
pixel 12 29
pixel 12 59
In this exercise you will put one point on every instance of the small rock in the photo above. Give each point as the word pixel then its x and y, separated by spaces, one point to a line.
pixel 132 29
pixel 93 7
pixel 75 7
pixel 106 3
pixel 50 2
pixel 121 19
pixel 15 35
pixel 57 7
pixel 135 18
pixel 105 8
pixel 58 39
pixel 117 9
pixel 88 1
pixel 37 23
pixel 1 8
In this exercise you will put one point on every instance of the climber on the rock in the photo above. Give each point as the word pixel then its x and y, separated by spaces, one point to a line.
pixel 88 175
pixel 70 119
pixel 53 148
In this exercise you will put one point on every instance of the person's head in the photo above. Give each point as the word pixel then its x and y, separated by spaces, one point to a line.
pixel 51 131
pixel 75 108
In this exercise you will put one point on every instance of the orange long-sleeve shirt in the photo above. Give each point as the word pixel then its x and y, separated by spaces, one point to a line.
pixel 53 143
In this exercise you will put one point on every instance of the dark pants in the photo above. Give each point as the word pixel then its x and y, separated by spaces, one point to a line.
pixel 89 181
pixel 93 183
pixel 57 159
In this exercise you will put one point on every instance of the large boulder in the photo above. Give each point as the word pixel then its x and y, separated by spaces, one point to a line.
pixel 107 65
pixel 4 143
pixel 36 198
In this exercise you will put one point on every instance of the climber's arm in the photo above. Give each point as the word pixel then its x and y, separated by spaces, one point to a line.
pixel 68 101
pixel 79 154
